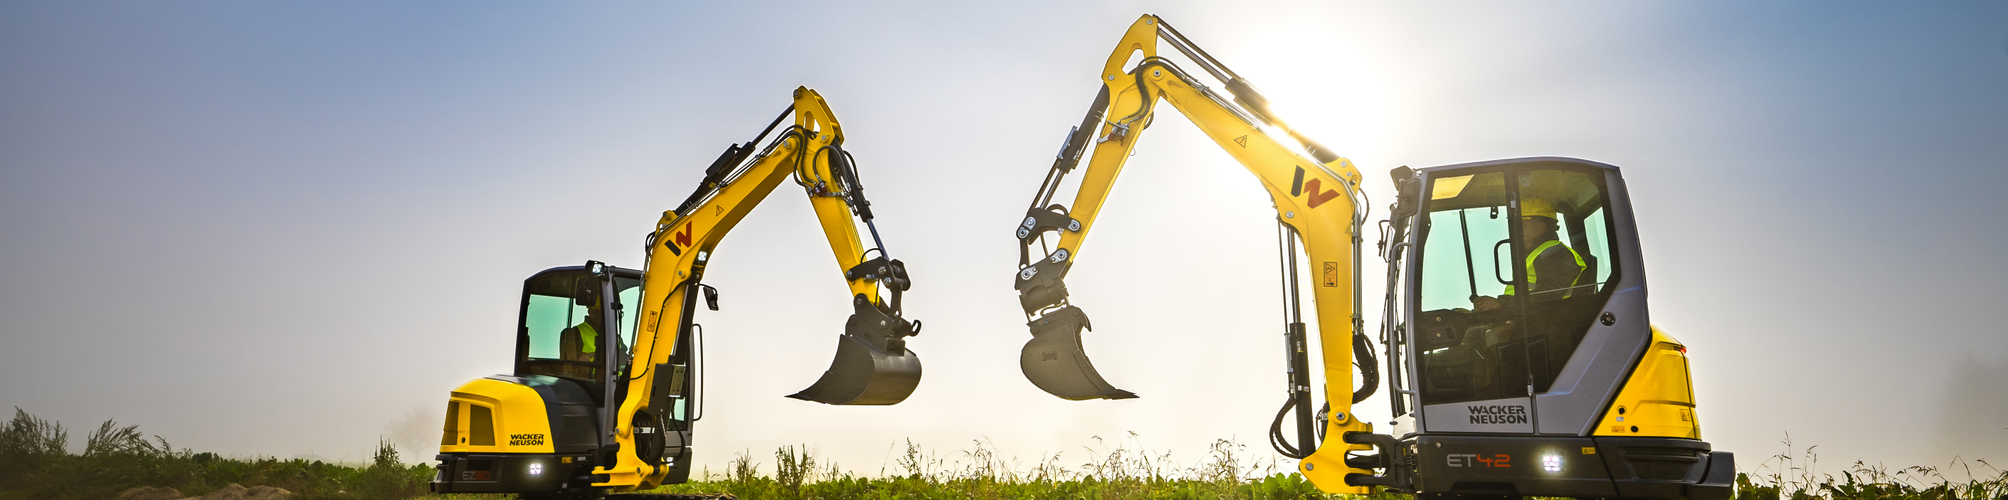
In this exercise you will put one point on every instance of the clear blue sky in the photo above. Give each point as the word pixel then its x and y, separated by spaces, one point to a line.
pixel 282 228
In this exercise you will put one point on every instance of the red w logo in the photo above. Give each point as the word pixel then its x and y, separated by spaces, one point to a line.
pixel 1318 197
pixel 682 240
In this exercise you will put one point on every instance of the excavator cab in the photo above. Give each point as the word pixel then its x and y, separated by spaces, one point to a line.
pixel 1522 360
pixel 541 428
pixel 1506 291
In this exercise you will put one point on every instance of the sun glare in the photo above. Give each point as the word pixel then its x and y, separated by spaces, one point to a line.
pixel 1320 83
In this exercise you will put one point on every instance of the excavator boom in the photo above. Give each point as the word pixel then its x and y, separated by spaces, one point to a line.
pixel 1317 199
pixel 872 365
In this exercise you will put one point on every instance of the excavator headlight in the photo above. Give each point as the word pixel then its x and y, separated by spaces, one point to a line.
pixel 1551 462
pixel 536 469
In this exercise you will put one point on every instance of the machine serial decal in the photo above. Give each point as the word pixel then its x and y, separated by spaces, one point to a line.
pixel 1472 460
pixel 1498 414
pixel 1318 196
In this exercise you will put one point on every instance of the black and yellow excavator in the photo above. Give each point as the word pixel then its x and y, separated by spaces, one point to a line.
pixel 608 385
pixel 1543 379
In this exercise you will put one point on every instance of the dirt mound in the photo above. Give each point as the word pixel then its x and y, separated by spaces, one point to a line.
pixel 236 492
pixel 231 492
pixel 162 493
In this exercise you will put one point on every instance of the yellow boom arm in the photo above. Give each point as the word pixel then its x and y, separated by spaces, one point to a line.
pixel 872 367
pixel 1316 196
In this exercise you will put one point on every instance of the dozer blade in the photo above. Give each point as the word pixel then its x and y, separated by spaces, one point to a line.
pixel 873 365
pixel 1054 361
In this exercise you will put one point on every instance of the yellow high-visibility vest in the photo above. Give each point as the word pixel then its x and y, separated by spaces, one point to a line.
pixel 1537 253
pixel 588 337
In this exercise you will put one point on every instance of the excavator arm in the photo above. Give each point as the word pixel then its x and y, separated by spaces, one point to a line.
pixel 872 367
pixel 1317 198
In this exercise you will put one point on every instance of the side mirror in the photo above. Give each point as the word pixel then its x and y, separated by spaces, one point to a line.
pixel 1401 175
pixel 587 292
pixel 710 297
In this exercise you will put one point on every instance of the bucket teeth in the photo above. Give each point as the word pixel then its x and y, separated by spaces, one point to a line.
pixel 872 366
pixel 1054 361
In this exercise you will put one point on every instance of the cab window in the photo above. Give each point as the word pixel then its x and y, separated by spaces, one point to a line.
pixel 563 335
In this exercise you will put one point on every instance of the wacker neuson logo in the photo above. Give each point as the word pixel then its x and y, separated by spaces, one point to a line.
pixel 526 440
pixel 1498 414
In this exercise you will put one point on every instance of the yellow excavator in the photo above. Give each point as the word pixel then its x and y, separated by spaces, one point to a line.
pixel 1543 379
pixel 608 385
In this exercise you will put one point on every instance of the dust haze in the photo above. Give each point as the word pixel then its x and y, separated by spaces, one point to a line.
pixel 1973 417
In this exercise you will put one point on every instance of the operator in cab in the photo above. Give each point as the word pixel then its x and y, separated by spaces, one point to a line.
pixel 1551 265
pixel 581 342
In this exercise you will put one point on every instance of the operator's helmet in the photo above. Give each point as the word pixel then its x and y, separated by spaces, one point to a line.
pixel 1537 207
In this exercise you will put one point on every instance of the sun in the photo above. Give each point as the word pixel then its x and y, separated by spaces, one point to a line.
pixel 1320 82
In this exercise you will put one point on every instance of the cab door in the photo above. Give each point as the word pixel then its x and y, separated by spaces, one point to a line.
pixel 1513 265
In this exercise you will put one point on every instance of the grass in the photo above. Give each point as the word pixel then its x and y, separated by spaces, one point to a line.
pixel 1122 471
pixel 1790 476
pixel 35 464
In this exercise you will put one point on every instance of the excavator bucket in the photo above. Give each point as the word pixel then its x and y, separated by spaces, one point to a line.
pixel 1054 361
pixel 873 366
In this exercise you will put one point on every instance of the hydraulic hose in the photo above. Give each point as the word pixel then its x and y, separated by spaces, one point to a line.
pixel 1276 439
pixel 1363 357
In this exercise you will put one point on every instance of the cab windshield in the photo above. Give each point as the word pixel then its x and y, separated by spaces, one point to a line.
pixel 564 333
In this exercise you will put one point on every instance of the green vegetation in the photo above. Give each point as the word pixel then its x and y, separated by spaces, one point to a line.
pixel 1117 473
pixel 35 464
pixel 1787 476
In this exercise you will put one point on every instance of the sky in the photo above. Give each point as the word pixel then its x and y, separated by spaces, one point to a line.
pixel 289 229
